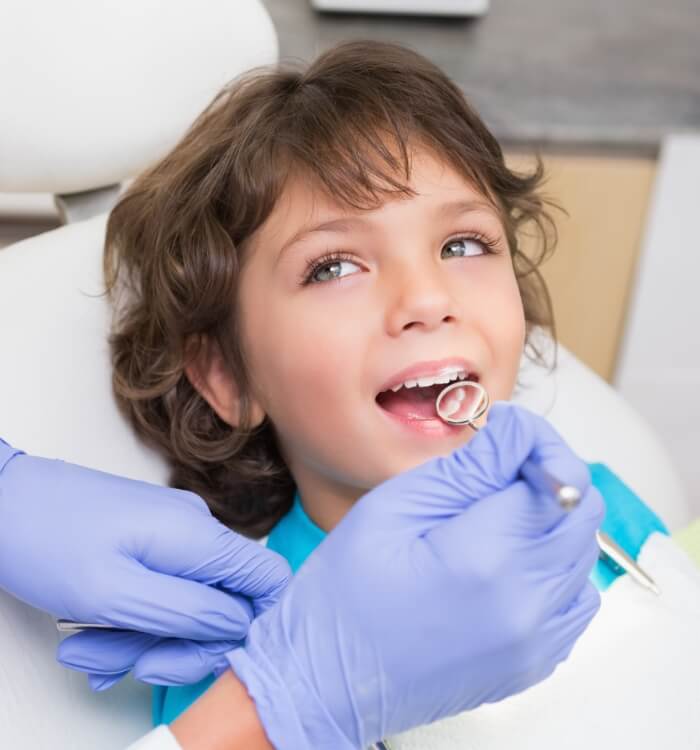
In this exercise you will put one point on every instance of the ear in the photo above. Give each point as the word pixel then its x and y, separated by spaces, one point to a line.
pixel 210 377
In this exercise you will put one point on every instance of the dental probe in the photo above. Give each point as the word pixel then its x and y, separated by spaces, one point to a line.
pixel 621 558
pixel 68 626
pixel 569 497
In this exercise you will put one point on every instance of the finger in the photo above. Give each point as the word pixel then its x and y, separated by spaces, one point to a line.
pixel 180 662
pixel 557 540
pixel 216 556
pixel 572 537
pixel 560 462
pixel 559 636
pixel 102 652
pixel 514 521
pixel 560 590
pixel 494 456
pixel 169 606
pixel 108 656
pixel 566 627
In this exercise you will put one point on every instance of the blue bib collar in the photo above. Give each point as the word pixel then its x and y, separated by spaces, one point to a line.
pixel 295 536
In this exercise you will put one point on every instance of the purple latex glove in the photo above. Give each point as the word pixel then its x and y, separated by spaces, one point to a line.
pixel 93 547
pixel 447 586
pixel 106 657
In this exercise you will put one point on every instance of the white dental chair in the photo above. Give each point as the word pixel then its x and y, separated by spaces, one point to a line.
pixel 103 116
pixel 91 93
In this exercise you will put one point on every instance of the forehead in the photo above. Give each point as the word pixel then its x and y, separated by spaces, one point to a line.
pixel 304 201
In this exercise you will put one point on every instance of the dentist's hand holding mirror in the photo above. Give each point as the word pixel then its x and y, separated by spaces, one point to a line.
pixel 459 582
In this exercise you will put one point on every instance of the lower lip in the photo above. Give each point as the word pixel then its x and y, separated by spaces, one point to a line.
pixel 427 427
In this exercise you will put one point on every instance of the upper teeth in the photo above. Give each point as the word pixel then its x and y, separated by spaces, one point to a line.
pixel 443 377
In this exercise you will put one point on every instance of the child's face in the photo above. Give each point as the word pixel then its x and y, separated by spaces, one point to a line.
pixel 409 292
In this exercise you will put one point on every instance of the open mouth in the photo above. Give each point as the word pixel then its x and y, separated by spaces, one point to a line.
pixel 415 402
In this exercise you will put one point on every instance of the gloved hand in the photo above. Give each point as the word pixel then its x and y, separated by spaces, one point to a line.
pixel 93 547
pixel 107 656
pixel 447 586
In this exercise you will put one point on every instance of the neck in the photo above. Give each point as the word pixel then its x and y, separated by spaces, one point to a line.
pixel 326 505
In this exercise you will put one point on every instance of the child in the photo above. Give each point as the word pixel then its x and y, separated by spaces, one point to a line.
pixel 319 241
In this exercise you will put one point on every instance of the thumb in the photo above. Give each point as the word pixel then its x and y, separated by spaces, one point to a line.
pixel 494 458
pixel 520 518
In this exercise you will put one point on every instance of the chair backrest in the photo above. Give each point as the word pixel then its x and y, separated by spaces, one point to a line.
pixel 55 400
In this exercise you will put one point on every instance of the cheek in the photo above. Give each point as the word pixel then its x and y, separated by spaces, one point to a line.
pixel 516 315
pixel 306 366
pixel 506 324
pixel 312 408
pixel 505 293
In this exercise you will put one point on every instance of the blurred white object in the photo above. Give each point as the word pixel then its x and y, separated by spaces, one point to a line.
pixel 658 368
pixel 93 92
pixel 406 7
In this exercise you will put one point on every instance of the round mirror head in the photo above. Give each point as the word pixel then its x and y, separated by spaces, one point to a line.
pixel 462 402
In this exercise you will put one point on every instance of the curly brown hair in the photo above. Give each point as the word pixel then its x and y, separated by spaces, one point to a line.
pixel 176 241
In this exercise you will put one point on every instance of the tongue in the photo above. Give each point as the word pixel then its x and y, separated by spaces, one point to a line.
pixel 411 403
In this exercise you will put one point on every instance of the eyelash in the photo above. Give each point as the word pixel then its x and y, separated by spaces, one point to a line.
pixel 489 244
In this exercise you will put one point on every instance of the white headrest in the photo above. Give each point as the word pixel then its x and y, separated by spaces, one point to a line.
pixel 93 91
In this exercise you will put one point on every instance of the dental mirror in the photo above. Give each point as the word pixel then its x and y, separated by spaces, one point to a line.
pixel 462 402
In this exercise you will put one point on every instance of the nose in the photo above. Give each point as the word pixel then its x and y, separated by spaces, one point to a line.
pixel 419 296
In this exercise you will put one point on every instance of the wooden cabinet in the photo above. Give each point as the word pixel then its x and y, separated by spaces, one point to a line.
pixel 592 270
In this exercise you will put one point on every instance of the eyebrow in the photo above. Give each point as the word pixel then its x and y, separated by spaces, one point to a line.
pixel 345 223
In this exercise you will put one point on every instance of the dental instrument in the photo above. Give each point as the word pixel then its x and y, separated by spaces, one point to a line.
pixel 624 561
pixel 68 626
pixel 460 409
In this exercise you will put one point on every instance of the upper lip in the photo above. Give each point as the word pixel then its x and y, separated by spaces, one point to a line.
pixel 429 369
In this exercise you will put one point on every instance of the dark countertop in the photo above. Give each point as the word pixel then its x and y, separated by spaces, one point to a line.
pixel 613 74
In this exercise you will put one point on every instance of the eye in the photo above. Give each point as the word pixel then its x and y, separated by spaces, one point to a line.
pixel 463 243
pixel 330 264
